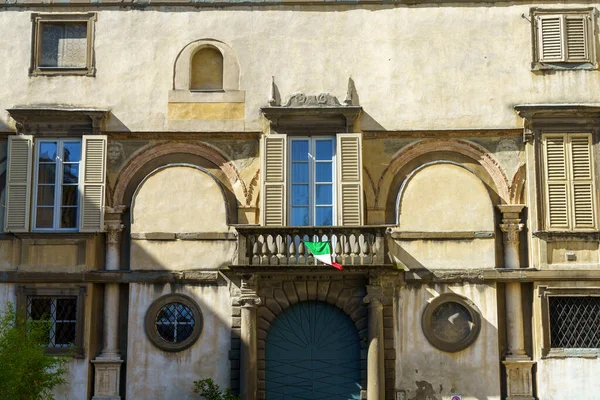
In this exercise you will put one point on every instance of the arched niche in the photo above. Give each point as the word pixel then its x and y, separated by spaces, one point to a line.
pixel 179 198
pixel 184 62
pixel 444 196
pixel 206 70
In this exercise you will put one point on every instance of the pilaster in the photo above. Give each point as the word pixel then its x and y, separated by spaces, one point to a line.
pixel 375 353
pixel 249 300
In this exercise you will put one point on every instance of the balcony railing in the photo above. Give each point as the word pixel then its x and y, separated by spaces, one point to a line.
pixel 276 245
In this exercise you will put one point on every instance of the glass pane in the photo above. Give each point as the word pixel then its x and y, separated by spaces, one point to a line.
pixel 70 195
pixel 47 152
pixel 324 149
pixel 45 196
pixel 63 44
pixel 66 309
pixel 70 173
pixel 72 152
pixel 44 217
pixel 299 195
pixel 299 216
pixel 47 173
pixel 300 150
pixel 40 308
pixel 68 217
pixel 184 332
pixel 324 172
pixel 167 332
pixel 65 333
pixel 324 216
pixel 324 194
pixel 300 173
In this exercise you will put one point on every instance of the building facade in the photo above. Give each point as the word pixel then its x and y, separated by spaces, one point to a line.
pixel 164 162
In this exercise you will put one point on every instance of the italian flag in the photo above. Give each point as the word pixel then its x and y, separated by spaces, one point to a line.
pixel 322 252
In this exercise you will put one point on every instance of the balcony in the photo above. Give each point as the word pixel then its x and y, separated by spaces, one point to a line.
pixel 283 246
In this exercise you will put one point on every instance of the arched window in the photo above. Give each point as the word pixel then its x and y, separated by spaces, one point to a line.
pixel 207 69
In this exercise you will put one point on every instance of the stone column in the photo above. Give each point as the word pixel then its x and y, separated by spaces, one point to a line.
pixel 375 351
pixel 107 366
pixel 249 300
pixel 518 364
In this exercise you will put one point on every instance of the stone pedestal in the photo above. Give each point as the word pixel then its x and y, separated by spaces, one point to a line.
pixel 107 378
pixel 375 354
pixel 518 378
pixel 249 300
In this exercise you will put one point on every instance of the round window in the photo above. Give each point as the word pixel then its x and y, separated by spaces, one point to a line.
pixel 451 323
pixel 173 322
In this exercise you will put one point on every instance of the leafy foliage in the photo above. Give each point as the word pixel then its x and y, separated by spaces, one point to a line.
pixel 211 391
pixel 26 371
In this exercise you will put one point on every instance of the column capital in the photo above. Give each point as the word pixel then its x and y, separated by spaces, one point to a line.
pixel 248 289
pixel 375 295
pixel 511 232
pixel 113 229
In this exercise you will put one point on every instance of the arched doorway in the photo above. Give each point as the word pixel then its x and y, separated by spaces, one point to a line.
pixel 312 352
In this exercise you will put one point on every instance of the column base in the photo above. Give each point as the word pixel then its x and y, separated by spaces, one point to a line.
pixel 107 370
pixel 518 377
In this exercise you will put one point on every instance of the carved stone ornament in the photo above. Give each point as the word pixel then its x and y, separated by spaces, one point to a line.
pixel 527 135
pixel 248 292
pixel 114 232
pixel 321 100
pixel 374 295
pixel 511 231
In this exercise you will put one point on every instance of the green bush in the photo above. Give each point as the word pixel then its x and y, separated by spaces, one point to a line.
pixel 26 371
pixel 211 391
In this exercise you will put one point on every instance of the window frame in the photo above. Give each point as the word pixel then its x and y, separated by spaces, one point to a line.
pixel 538 63
pixel 568 136
pixel 545 293
pixel 37 20
pixel 312 206
pixel 23 292
pixel 58 184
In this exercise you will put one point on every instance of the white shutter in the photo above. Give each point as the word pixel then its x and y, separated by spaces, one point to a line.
pixel 274 181
pixel 349 177
pixel 555 157
pixel 550 40
pixel 18 192
pixel 93 183
pixel 576 38
pixel 583 184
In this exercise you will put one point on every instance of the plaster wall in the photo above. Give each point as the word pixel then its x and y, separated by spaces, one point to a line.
pixel 182 254
pixel 423 67
pixel 423 371
pixel 445 254
pixel 207 358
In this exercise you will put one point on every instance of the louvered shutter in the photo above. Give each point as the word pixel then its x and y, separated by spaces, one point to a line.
pixel 274 194
pixel 550 41
pixel 582 181
pixel 555 155
pixel 576 38
pixel 93 183
pixel 18 186
pixel 349 174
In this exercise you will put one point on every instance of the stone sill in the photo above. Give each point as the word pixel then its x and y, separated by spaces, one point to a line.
pixel 223 3
pixel 571 353
pixel 184 236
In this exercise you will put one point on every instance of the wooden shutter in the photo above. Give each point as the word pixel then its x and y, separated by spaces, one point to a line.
pixel 576 38
pixel 349 174
pixel 93 183
pixel 550 41
pixel 18 192
pixel 555 155
pixel 582 181
pixel 273 177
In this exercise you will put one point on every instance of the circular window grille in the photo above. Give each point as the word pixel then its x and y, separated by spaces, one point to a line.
pixel 451 322
pixel 173 322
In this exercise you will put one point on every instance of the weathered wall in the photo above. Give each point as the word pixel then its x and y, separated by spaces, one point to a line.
pixel 425 372
pixel 207 358
pixel 477 67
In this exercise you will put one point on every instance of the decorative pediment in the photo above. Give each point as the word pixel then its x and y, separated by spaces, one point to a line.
pixel 321 100
pixel 58 119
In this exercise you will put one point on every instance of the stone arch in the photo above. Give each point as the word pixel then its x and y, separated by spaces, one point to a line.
pixel 347 296
pixel 125 180
pixel 518 185
pixel 469 149
pixel 183 64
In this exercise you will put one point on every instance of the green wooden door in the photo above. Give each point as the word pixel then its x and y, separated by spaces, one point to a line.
pixel 312 352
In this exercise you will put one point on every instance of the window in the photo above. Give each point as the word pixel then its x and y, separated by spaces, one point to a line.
pixel 324 175
pixel 63 44
pixel 207 69
pixel 563 39
pixel 61 309
pixel 174 322
pixel 57 184
pixel 569 188
pixel 68 184
pixel 312 169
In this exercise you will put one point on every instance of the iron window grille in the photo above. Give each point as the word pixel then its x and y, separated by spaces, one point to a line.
pixel 62 309
pixel 175 322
